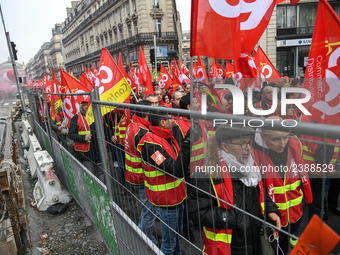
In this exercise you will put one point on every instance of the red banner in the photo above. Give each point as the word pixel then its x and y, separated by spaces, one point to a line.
pixel 224 29
pixel 127 77
pixel 164 80
pixel 266 69
pixel 144 74
pixel 323 67
pixel 213 70
pixel 220 70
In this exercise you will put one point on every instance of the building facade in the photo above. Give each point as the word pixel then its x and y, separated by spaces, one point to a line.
pixel 119 26
pixel 288 37
pixel 49 55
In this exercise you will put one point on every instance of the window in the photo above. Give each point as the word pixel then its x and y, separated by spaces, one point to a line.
pixel 114 17
pixel 155 4
pixel 307 15
pixel 128 8
pixel 119 14
pixel 336 7
pixel 158 27
pixel 116 36
pixel 108 17
pixel 286 17
pixel 111 39
pixel 129 30
pixel 136 28
pixel 134 5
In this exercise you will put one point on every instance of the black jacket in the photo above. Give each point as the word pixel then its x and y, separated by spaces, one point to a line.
pixel 204 211
pixel 92 154
pixel 169 165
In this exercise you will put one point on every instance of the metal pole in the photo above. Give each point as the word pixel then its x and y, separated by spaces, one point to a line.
pixel 13 62
pixel 155 48
pixel 49 129
pixel 97 115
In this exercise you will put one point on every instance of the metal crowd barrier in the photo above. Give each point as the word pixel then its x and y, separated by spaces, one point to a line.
pixel 113 206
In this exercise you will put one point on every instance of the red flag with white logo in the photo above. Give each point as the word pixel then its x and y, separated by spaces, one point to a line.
pixel 213 70
pixel 246 72
pixel 134 76
pixel 144 74
pixel 323 67
pixel 47 87
pixel 55 99
pixel 266 69
pixel 183 68
pixel 219 69
pixel 164 80
pixel 201 74
pixel 71 85
pixel 223 29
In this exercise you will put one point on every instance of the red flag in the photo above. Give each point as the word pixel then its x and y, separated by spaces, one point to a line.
pixel 323 67
pixel 47 87
pixel 176 84
pixel 265 68
pixel 74 86
pixel 134 76
pixel 213 70
pixel 183 68
pixel 229 70
pixel 94 70
pixel 112 85
pixel 144 74
pixel 194 70
pixel 71 85
pixel 291 1
pixel 183 78
pixel 55 99
pixel 127 77
pixel 201 74
pixel 224 29
pixel 220 70
pixel 246 72
pixel 176 69
pixel 164 80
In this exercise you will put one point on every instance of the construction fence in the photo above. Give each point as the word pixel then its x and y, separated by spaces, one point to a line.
pixel 198 200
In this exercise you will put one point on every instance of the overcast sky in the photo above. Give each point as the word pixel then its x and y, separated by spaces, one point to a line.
pixel 30 23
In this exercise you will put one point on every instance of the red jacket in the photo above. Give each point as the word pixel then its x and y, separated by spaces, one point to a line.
pixel 286 193
pixel 133 164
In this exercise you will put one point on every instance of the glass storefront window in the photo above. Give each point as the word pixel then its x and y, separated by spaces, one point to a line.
pixel 285 60
pixel 303 52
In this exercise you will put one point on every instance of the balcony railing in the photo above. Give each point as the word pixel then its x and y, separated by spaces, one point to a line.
pixel 131 41
pixel 295 31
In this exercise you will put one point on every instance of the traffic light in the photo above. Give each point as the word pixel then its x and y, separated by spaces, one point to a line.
pixel 152 56
pixel 14 51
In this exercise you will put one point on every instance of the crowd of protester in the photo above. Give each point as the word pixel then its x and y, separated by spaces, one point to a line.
pixel 170 163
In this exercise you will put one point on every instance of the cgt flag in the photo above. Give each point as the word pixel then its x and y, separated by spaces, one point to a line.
pixel 265 68
pixel 164 80
pixel 323 67
pixel 223 29
pixel 112 85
